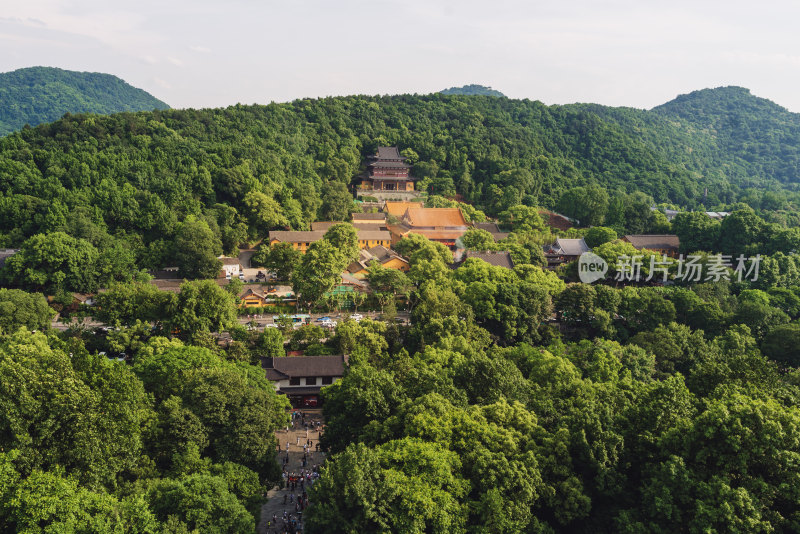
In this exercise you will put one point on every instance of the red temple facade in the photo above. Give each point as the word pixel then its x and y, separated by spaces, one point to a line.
pixel 387 170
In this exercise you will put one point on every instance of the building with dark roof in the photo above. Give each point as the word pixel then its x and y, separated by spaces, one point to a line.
pixel 388 258
pixel 497 259
pixel 301 240
pixel 369 218
pixel 301 378
pixel 230 267
pixel 6 253
pixel 387 170
pixel 664 243
pixel 324 226
pixel 493 229
pixel 564 251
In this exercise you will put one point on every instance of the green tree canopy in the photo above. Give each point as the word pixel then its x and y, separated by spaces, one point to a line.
pixel 18 308
pixel 587 204
pixel 280 258
pixel 196 250
pixel 53 262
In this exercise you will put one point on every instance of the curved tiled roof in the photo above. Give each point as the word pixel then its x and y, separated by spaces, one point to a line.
pixel 388 152
pixel 434 217
pixel 301 366
pixel 571 247
pixel 657 242
pixel 498 259
pixel 399 208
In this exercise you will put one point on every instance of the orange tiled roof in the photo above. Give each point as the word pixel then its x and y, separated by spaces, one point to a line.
pixel 451 235
pixel 434 217
pixel 399 208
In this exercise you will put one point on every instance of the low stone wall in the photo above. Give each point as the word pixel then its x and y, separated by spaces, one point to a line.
pixel 391 195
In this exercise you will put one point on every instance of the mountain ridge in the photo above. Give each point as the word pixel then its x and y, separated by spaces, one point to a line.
pixel 472 90
pixel 144 172
pixel 36 95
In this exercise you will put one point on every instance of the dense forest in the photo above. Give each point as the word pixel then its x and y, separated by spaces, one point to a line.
pixel 180 440
pixel 513 400
pixel 649 410
pixel 132 185
pixel 43 94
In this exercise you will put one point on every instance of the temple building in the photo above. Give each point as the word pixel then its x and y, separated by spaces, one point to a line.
pixel 387 170
pixel 386 257
pixel 301 240
pixel 662 243
pixel 444 225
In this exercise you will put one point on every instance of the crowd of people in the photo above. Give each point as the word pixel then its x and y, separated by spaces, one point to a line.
pixel 297 481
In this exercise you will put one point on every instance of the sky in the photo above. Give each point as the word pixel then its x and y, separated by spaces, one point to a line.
pixel 197 53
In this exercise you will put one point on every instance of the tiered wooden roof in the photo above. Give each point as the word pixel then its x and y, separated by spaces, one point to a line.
pixel 388 157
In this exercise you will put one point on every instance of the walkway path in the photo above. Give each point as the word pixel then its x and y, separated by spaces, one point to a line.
pixel 277 496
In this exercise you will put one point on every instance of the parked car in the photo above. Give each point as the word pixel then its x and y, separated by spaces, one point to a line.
pixel 324 319
pixel 356 317
pixel 270 326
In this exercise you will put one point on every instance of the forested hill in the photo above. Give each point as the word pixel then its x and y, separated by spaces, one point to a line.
pixel 256 168
pixel 752 135
pixel 43 94
pixel 472 89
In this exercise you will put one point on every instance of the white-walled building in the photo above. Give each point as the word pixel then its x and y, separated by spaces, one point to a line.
pixel 301 378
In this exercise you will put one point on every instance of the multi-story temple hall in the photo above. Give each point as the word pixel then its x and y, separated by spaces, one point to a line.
pixel 387 170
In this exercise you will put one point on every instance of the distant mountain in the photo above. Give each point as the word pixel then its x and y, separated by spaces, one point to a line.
pixel 472 90
pixel 727 138
pixel 43 94
pixel 749 133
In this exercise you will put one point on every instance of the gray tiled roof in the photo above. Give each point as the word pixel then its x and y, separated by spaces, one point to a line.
pixel 655 241
pixel 388 165
pixel 296 236
pixel 369 217
pixel 498 259
pixel 302 366
pixel 490 227
pixel 389 152
pixel 493 229
pixel 316 235
pixel 7 253
pixel 571 247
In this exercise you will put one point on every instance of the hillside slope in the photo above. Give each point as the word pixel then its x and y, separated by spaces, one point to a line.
pixel 750 134
pixel 43 94
pixel 252 168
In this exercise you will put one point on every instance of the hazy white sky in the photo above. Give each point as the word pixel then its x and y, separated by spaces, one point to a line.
pixel 197 53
